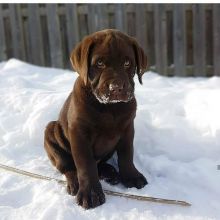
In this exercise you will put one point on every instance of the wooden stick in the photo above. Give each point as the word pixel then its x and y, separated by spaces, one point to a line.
pixel 108 192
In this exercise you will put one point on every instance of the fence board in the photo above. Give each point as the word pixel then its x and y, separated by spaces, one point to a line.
pixel 216 40
pixel 72 26
pixel 141 29
pixel 92 18
pixel 120 17
pixel 179 40
pixel 17 31
pixel 36 46
pixel 2 37
pixel 160 38
pixel 199 45
pixel 54 36
pixel 150 37
pixel 102 18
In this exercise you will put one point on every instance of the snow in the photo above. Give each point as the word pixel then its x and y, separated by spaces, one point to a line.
pixel 177 147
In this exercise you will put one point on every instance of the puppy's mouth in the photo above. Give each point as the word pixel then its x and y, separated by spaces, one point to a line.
pixel 110 99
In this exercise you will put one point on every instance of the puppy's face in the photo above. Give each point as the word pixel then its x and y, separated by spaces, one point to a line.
pixel 107 62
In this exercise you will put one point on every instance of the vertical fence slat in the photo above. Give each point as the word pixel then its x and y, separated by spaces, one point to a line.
pixel 120 17
pixel 35 36
pixel 216 40
pixel 2 37
pixel 179 40
pixel 102 18
pixel 54 36
pixel 160 38
pixel 141 29
pixel 92 18
pixel 150 36
pixel 72 26
pixel 17 31
pixel 199 55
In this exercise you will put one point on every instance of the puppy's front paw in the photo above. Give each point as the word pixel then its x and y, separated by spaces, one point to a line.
pixel 90 196
pixel 137 181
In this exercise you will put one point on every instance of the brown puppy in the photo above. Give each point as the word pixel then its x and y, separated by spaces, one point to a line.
pixel 97 118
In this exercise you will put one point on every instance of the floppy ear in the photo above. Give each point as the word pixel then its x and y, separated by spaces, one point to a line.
pixel 141 60
pixel 80 58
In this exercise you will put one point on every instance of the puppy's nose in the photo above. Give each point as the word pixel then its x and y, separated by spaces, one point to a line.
pixel 116 88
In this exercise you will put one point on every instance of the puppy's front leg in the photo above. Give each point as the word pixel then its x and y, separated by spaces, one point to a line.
pixel 130 176
pixel 90 192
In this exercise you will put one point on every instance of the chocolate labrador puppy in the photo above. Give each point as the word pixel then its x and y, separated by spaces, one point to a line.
pixel 97 118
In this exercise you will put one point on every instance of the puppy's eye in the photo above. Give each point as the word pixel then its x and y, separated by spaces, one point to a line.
pixel 127 63
pixel 100 64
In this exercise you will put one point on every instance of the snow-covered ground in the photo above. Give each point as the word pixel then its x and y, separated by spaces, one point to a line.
pixel 177 147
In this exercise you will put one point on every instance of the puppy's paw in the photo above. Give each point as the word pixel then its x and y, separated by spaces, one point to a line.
pixel 137 181
pixel 72 187
pixel 108 173
pixel 72 183
pixel 90 197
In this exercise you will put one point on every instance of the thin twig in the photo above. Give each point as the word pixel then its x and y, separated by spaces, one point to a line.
pixel 108 192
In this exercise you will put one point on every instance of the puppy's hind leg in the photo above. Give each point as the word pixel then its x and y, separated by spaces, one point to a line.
pixel 108 173
pixel 58 151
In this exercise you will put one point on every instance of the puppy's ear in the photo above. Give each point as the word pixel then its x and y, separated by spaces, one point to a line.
pixel 141 60
pixel 80 58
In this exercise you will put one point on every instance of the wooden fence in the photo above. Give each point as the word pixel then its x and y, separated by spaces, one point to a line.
pixel 179 39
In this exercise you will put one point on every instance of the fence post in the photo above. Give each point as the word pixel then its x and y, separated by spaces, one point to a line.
pixel 2 37
pixel 160 38
pixel 216 40
pixel 199 45
pixel 141 29
pixel 120 16
pixel 179 39
pixel 102 18
pixel 72 26
pixel 17 31
pixel 37 56
pixel 54 36
pixel 92 18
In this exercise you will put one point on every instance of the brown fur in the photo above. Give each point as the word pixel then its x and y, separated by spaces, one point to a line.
pixel 97 117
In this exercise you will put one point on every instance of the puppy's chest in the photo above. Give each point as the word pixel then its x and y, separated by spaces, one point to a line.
pixel 108 132
pixel 104 144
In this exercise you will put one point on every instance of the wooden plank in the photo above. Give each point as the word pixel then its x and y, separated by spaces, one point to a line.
pixel 169 29
pixel 111 16
pixel 199 43
pixel 92 18
pixel 141 28
pixel 209 37
pixel 150 37
pixel 64 41
pixel 120 17
pixel 36 45
pixel 189 37
pixel 216 40
pixel 17 31
pixel 45 40
pixel 160 38
pixel 3 55
pixel 179 40
pixel 54 36
pixel 102 18
pixel 72 26
pixel 131 24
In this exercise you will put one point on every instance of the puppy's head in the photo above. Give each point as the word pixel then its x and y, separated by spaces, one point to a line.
pixel 107 62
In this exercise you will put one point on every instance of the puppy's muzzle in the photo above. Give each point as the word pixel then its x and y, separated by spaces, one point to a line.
pixel 116 88
pixel 114 92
